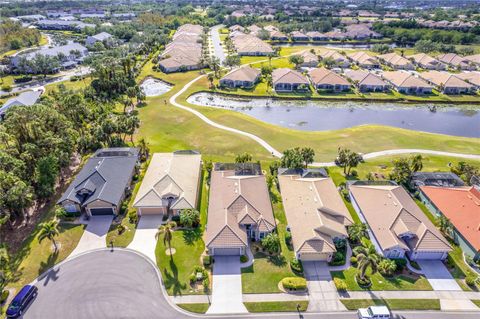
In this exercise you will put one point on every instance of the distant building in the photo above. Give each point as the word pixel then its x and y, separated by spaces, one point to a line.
pixel 72 25
pixel 101 37
pixel 27 98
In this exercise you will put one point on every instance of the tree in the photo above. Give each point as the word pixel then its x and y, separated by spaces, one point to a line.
pixel 214 65
pixel 416 163
pixel 167 231
pixel 243 158
pixel 308 155
pixel 4 265
pixel 401 172
pixel 232 60
pixel 356 232
pixel 367 257
pixel 381 48
pixel 465 171
pixel 296 60
pixel 328 62
pixel 210 78
pixel 15 196
pixel 44 64
pixel 445 225
pixel 45 176
pixel 387 267
pixel 347 159
pixel 49 230
pixel 144 149
pixel 292 158
pixel 271 242
pixel 189 217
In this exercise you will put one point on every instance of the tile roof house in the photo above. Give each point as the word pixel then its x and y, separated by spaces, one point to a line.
pixel 251 45
pixel 287 80
pixel 364 60
pixel 26 98
pixel 474 58
pixel 470 77
pixel 171 184
pixel 254 29
pixel 316 36
pixel 310 60
pixel 361 31
pixel 236 27
pixel 448 83
pixel 271 28
pixel 456 61
pixel 245 76
pixel 239 209
pixel 100 37
pixel 339 59
pixel 396 61
pixel 396 225
pixel 325 79
pixel 278 36
pixel 407 83
pixel 335 35
pixel 103 182
pixel 298 36
pixel 443 179
pixel 316 214
pixel 461 205
pixel 366 81
pixel 427 62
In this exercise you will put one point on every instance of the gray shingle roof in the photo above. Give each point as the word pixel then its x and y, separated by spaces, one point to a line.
pixel 26 99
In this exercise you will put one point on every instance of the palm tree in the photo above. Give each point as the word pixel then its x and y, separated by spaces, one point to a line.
pixel 367 256
pixel 210 78
pixel 445 225
pixel 356 232
pixel 49 230
pixel 167 230
pixel 416 164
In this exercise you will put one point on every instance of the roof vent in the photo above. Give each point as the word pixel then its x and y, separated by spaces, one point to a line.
pixel 395 203
pixel 389 195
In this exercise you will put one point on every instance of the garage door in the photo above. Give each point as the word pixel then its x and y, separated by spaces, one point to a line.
pixel 226 251
pixel 152 211
pixel 429 255
pixel 101 211
pixel 314 257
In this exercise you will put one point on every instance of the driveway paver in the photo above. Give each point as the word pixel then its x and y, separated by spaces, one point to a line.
pixel 438 275
pixel 94 236
pixel 144 240
pixel 321 289
pixel 227 286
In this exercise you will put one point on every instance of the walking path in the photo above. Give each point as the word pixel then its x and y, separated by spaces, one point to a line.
pixel 144 240
pixel 276 153
pixel 94 236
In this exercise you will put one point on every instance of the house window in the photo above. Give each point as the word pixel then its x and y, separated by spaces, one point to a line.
pixel 261 235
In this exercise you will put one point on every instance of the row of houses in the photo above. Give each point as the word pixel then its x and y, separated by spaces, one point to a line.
pixel 184 52
pixel 240 209
pixel 63 24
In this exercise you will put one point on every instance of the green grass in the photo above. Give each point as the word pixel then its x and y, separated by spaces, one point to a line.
pixel 399 282
pixel 393 304
pixel 276 306
pixel 194 307
pixel 458 268
pixel 476 302
pixel 176 269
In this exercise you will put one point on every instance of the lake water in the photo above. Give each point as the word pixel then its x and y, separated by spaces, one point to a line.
pixel 328 115
pixel 155 87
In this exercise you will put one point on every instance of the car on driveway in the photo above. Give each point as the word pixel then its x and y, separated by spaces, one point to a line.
pixel 374 312
pixel 21 301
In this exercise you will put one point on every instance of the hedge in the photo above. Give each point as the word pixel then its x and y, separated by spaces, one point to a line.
pixel 294 283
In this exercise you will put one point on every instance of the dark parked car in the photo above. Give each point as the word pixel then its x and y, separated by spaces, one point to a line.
pixel 21 301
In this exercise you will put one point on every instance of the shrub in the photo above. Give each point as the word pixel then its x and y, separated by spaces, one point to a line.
pixel 401 263
pixel 366 282
pixel 243 258
pixel 6 88
pixel 340 243
pixel 338 259
pixel 207 260
pixel 176 219
pixel 288 238
pixel 387 267
pixel 340 284
pixel 3 296
pixel 132 217
pixel 353 260
pixel 193 278
pixel 124 207
pixel 296 265
pixel 294 283
pixel 471 279
pixel 206 283
pixel 121 228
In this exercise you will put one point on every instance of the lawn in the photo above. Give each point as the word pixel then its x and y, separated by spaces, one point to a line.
pixel 458 268
pixel 476 302
pixel 276 306
pixel 393 304
pixel 194 307
pixel 176 269
pixel 399 282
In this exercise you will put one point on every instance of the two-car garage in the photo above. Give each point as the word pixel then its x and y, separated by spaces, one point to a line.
pixel 101 211
pixel 227 251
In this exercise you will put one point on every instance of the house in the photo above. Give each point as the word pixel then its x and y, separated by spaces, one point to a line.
pixel 65 25
pixel 171 184
pixel 396 225
pixel 270 28
pixel 427 62
pixel 316 214
pixel 101 37
pixel 325 79
pixel 361 31
pixel 461 205
pixel 298 36
pixel 475 59
pixel 316 36
pixel 405 82
pixel 456 61
pixel 366 81
pixel 310 60
pixel 441 179
pixel 364 60
pixel 250 45
pixel 278 36
pixel 239 209
pixel 254 29
pixel 123 16
pixel 339 59
pixel 236 27
pixel 103 182
pixel 287 80
pixel 26 98
pixel 396 61
pixel 245 76
pixel 470 77
pixel 335 35
pixel 448 83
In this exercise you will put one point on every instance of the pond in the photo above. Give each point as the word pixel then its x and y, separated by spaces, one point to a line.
pixel 332 115
pixel 155 87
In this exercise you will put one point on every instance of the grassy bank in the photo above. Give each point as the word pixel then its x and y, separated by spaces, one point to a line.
pixel 276 306
pixel 393 304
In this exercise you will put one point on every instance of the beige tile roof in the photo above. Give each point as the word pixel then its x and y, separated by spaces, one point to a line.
pixel 298 34
pixel 249 44
pixel 235 200
pixel 474 58
pixel 404 79
pixel 424 59
pixel 335 55
pixel 315 212
pixel 395 60
pixel 446 79
pixel 271 28
pixel 470 77
pixel 308 57
pixel 362 57
pixel 245 73
pixel 391 213
pixel 363 77
pixel 325 76
pixel 285 75
pixel 453 59
pixel 277 34
pixel 170 173
pixel 185 49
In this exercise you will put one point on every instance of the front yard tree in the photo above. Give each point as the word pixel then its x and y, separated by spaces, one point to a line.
pixel 167 231
pixel 271 242
pixel 189 217
pixel 49 230
pixel 308 155
pixel 243 158
pixel 356 232
pixel 367 257
pixel 387 267
pixel 296 60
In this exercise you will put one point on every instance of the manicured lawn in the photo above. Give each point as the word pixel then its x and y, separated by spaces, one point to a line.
pixel 393 304
pixel 276 306
pixel 176 269
pixel 400 282
pixel 194 307
pixel 458 268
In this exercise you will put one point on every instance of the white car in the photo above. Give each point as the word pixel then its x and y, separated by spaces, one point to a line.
pixel 374 312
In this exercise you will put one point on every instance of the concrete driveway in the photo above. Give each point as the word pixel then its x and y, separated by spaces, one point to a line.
pixel 227 286
pixel 438 275
pixel 321 289
pixel 94 236
pixel 144 240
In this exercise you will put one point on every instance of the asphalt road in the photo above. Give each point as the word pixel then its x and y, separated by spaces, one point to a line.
pixel 217 43
pixel 123 284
